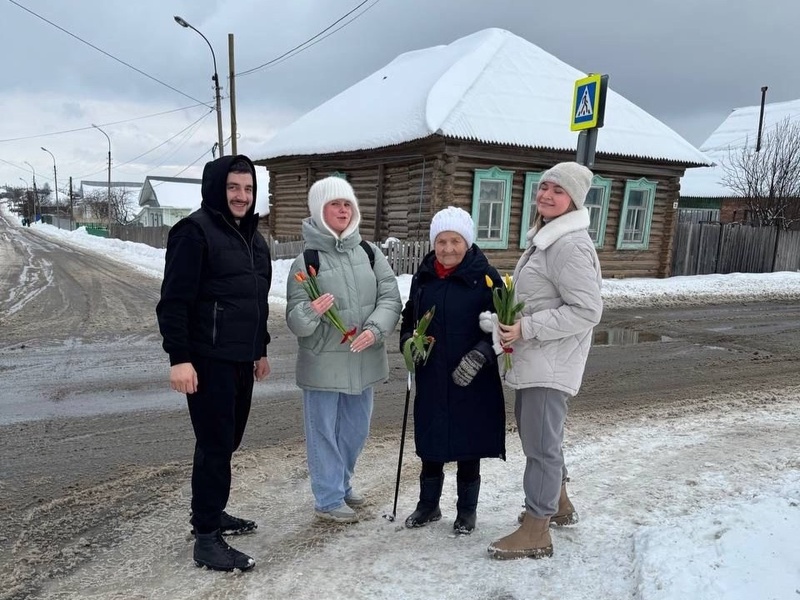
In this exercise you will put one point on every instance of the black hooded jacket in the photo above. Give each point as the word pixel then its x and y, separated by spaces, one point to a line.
pixel 217 277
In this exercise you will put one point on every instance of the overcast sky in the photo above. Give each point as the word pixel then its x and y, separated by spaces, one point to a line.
pixel 687 62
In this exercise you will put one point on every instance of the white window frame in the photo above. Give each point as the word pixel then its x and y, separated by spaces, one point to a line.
pixel 604 185
pixel 649 188
pixel 528 205
pixel 494 174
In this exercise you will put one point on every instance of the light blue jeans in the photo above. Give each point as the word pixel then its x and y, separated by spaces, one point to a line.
pixel 337 426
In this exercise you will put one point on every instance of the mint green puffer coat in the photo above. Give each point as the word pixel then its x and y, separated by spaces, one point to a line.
pixel 367 298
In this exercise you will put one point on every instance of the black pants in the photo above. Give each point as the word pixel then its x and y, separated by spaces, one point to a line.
pixel 219 411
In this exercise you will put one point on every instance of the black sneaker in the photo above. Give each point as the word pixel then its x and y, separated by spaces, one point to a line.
pixel 230 525
pixel 212 551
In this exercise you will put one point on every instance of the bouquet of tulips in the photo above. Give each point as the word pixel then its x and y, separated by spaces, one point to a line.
pixel 418 347
pixel 310 285
pixel 506 309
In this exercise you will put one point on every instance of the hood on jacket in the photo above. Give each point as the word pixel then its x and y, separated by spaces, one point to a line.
pixel 215 179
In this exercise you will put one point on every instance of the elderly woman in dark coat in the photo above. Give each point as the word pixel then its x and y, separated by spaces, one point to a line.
pixel 459 409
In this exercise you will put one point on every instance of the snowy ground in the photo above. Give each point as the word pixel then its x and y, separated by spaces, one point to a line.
pixel 701 502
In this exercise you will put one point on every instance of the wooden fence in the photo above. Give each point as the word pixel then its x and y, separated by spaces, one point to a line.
pixel 404 257
pixel 703 248
pixel 152 236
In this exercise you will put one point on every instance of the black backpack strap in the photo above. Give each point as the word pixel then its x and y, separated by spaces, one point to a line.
pixel 370 253
pixel 311 258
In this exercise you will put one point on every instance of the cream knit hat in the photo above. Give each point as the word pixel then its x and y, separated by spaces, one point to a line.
pixel 453 219
pixel 329 189
pixel 574 178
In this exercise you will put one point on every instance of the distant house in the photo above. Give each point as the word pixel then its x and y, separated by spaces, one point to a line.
pixel 474 124
pixel 704 193
pixel 166 200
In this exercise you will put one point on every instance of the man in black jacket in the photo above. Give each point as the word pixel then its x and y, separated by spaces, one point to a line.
pixel 213 318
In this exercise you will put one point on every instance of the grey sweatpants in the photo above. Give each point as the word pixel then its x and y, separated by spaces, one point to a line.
pixel 541 413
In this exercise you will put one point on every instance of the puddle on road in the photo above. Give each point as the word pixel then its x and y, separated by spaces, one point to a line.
pixel 621 336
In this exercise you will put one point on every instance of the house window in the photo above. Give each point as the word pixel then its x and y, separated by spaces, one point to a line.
pixel 529 205
pixel 491 206
pixel 636 215
pixel 597 204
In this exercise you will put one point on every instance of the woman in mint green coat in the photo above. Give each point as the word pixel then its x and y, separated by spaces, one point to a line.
pixel 337 376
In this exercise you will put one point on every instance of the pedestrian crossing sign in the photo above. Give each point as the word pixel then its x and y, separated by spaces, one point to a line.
pixel 586 103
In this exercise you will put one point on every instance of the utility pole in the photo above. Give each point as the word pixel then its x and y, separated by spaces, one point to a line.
pixel 55 182
pixel 35 193
pixel 761 117
pixel 71 210
pixel 232 87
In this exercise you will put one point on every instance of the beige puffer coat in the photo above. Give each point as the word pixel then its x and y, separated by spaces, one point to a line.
pixel 558 278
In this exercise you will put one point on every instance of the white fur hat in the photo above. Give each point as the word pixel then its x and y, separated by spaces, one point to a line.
pixel 573 177
pixel 453 219
pixel 329 189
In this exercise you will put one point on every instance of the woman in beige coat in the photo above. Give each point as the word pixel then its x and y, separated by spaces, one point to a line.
pixel 558 279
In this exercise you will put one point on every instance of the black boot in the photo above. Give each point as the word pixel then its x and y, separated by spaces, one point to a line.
pixel 467 505
pixel 430 489
pixel 211 551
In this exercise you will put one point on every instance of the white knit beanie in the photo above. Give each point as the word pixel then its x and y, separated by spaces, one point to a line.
pixel 573 177
pixel 453 219
pixel 329 189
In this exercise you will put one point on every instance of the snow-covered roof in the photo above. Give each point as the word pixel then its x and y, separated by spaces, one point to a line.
pixel 491 86
pixel 171 192
pixel 737 132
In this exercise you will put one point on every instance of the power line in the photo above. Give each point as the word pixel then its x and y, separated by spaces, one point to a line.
pixel 166 112
pixel 127 162
pixel 191 164
pixel 130 66
pixel 307 44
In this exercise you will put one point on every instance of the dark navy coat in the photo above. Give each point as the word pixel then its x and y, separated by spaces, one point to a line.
pixel 454 423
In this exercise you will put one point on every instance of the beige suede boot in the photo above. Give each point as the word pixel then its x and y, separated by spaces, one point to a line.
pixel 566 515
pixel 531 540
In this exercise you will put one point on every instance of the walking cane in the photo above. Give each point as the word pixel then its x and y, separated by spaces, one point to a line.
pixel 392 516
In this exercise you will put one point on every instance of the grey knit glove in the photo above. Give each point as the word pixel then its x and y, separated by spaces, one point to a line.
pixel 468 367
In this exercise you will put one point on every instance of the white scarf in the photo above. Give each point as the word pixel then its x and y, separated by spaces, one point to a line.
pixel 574 220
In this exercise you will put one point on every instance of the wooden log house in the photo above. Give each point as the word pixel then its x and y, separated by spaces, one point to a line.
pixel 473 124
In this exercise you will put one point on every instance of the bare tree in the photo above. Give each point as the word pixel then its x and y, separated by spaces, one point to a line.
pixel 123 208
pixel 769 180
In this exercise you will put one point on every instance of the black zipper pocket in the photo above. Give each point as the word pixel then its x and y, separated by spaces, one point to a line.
pixel 215 325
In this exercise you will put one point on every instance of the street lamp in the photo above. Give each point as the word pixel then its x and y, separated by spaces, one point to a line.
pixel 108 192
pixel 215 78
pixel 35 192
pixel 55 180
